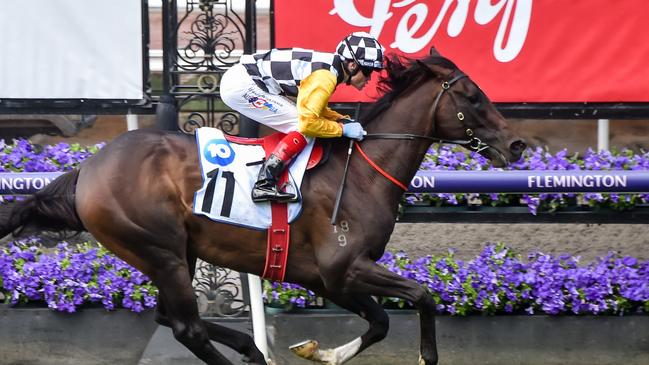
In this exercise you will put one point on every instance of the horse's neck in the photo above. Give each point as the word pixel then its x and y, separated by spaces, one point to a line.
pixel 399 157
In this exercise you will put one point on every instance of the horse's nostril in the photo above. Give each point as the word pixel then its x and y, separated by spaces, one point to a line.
pixel 517 146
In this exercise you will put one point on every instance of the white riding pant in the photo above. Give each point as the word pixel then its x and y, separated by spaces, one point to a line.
pixel 239 92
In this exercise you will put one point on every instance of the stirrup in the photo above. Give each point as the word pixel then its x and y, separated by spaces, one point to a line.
pixel 263 194
pixel 296 196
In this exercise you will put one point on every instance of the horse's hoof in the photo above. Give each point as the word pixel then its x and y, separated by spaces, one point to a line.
pixel 432 360
pixel 262 361
pixel 305 349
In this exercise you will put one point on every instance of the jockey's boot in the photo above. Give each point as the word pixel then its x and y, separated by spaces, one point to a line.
pixel 265 188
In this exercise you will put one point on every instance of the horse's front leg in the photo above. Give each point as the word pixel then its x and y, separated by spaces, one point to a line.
pixel 364 306
pixel 365 276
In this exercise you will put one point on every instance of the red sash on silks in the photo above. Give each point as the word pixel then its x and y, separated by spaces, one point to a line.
pixel 279 231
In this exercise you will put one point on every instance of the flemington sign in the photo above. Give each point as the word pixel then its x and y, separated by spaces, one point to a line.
pixel 577 181
pixel 21 183
pixel 570 181
pixel 548 51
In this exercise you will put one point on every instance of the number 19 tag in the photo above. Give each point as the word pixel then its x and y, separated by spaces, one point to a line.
pixel 342 238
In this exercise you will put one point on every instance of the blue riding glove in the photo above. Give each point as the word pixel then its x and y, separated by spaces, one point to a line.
pixel 354 130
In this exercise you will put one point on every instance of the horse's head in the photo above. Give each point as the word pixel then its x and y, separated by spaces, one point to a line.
pixel 462 112
pixel 452 107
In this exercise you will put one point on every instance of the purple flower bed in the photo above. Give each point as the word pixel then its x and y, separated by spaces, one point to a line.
pixel 499 281
pixel 68 277
pixel 280 294
pixel 22 156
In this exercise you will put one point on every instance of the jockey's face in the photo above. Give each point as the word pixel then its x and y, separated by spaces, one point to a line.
pixel 360 79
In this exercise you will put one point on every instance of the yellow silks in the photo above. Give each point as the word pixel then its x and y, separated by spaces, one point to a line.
pixel 315 119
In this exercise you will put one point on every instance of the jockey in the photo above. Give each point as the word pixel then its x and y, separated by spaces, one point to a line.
pixel 264 87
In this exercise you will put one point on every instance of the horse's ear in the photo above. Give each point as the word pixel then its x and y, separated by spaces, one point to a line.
pixel 425 67
pixel 433 52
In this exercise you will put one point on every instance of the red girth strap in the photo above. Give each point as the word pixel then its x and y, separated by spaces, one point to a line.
pixel 278 241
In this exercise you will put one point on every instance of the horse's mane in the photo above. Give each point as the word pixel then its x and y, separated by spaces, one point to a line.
pixel 402 74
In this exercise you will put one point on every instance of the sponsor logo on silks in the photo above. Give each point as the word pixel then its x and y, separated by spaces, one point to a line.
pixel 218 152
pixel 261 103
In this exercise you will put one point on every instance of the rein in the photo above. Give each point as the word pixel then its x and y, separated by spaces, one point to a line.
pixel 408 136
pixel 379 169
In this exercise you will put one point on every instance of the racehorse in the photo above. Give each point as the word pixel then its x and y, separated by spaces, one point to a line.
pixel 135 196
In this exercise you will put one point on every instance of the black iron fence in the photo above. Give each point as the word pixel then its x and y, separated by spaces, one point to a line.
pixel 200 42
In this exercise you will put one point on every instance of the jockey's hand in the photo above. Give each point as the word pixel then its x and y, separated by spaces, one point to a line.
pixel 354 130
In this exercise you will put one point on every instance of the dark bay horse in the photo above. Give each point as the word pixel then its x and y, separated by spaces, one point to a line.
pixel 135 197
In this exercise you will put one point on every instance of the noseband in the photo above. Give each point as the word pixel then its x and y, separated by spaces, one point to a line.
pixel 473 142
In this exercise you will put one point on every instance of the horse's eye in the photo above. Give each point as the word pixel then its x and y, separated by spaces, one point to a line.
pixel 474 99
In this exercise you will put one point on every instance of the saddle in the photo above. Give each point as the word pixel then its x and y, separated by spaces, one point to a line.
pixel 316 158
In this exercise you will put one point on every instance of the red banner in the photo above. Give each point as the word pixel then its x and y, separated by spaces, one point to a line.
pixel 516 50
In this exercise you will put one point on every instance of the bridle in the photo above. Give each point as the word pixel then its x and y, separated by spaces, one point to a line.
pixel 473 142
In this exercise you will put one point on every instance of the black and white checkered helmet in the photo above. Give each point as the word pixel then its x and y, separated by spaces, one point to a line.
pixel 365 50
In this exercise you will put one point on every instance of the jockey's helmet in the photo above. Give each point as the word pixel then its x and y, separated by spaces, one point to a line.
pixel 362 48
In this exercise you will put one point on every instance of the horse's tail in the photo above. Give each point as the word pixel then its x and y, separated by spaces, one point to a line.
pixel 51 208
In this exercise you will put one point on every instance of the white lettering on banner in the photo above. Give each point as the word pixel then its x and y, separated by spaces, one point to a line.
pixel 514 23
pixel 588 181
pixel 25 183
pixel 423 182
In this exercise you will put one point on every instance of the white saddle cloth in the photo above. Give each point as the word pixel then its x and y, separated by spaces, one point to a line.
pixel 228 179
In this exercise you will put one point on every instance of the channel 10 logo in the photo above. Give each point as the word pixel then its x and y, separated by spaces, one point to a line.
pixel 218 152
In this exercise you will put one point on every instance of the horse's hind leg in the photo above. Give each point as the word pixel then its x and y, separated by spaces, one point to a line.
pixel 238 341
pixel 174 282
pixel 364 306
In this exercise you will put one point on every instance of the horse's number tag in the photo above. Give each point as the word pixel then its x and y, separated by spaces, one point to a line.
pixel 228 192
pixel 342 238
